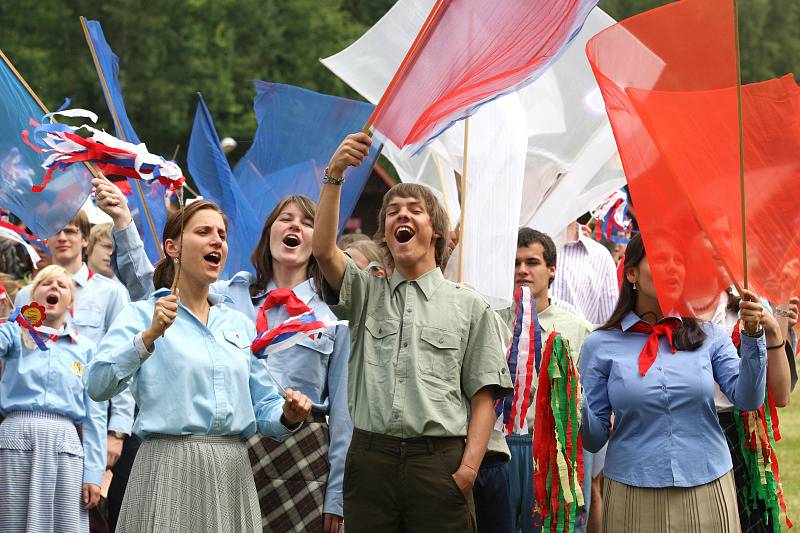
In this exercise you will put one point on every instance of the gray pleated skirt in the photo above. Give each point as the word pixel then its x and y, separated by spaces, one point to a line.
pixel 191 484
pixel 704 509
pixel 41 475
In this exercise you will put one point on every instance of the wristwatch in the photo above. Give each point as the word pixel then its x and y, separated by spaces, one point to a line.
pixel 117 434
pixel 327 178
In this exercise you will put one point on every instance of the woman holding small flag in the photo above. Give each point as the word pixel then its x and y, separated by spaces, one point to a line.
pixel 200 392
pixel 668 467
pixel 48 478
pixel 306 492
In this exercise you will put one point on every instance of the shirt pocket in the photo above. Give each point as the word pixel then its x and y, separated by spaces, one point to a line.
pixel 440 353
pixel 379 345
pixel 88 319
pixel 322 343
pixel 237 338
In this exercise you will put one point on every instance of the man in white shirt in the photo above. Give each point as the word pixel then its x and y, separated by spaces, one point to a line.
pixel 586 276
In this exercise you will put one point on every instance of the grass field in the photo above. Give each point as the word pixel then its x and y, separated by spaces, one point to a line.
pixel 788 451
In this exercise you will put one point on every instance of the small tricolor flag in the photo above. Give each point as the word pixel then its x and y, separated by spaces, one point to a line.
pixel 524 358
pixel 290 332
pixel 64 147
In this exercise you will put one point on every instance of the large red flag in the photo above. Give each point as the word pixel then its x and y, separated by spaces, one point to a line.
pixel 467 53
pixel 669 80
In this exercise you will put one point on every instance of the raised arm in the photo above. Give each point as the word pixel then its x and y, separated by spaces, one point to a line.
pixel 743 379
pixel 129 260
pixel 331 260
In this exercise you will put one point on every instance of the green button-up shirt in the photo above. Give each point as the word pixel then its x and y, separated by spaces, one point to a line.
pixel 419 351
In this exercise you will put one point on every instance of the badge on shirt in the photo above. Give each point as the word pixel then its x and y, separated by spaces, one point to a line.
pixel 34 313
pixel 77 368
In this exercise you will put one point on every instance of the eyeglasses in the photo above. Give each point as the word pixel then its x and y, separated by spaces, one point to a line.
pixel 70 232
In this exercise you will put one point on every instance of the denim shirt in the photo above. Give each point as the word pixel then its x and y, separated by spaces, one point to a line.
pixel 317 368
pixel 50 381
pixel 666 431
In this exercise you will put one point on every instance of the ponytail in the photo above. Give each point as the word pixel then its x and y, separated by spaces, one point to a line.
pixel 164 273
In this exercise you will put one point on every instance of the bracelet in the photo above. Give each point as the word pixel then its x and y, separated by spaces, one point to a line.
pixel 330 180
pixel 781 345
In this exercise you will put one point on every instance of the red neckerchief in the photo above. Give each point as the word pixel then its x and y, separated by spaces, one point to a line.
pixel 282 296
pixel 650 351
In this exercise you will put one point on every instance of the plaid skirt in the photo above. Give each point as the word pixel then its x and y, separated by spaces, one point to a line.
pixel 190 484
pixel 291 477
pixel 752 522
pixel 41 475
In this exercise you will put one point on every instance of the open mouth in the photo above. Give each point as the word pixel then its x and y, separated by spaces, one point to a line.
pixel 403 234
pixel 214 258
pixel 52 299
pixel 292 241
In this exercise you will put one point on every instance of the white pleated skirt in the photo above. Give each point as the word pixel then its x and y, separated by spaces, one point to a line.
pixel 41 475
pixel 191 484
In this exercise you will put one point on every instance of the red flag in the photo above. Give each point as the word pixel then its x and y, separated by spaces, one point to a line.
pixel 673 107
pixel 467 53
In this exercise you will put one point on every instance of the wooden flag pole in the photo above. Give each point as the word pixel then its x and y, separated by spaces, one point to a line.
pixel 121 134
pixel 462 219
pixel 750 330
pixel 95 172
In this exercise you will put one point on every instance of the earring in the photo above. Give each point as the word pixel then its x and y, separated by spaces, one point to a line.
pixel 634 286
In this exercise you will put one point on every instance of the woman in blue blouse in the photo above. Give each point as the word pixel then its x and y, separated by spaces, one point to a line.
pixel 316 367
pixel 199 390
pixel 668 467
pixel 48 479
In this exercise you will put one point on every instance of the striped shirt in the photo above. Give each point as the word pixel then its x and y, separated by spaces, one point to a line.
pixel 586 277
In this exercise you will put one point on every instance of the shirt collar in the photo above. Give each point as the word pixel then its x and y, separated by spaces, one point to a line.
pixel 632 319
pixel 305 291
pixel 428 282
pixel 214 298
pixel 81 277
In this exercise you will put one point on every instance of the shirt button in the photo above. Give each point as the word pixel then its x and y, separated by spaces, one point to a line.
pixel 405 345
pixel 408 310
pixel 659 368
pixel 441 339
pixel 664 388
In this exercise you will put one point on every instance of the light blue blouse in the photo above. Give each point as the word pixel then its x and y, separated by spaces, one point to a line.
pixel 50 381
pixel 200 380
pixel 317 368
pixel 98 301
pixel 666 431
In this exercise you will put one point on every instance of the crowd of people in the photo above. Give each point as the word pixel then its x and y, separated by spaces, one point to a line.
pixel 144 374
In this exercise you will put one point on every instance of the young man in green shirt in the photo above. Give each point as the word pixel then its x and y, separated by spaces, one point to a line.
pixel 425 366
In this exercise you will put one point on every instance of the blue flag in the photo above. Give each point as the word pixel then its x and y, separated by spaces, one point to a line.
pixel 212 174
pixel 46 212
pixel 298 132
pixel 152 192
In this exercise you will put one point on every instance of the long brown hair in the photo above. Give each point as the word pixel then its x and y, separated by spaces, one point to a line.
pixel 164 272
pixel 689 336
pixel 262 256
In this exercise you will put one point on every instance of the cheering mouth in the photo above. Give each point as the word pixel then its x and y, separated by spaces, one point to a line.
pixel 291 241
pixel 52 299
pixel 403 234
pixel 214 258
